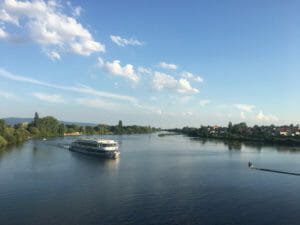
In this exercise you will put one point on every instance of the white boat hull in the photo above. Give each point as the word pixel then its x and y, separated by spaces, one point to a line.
pixel 107 154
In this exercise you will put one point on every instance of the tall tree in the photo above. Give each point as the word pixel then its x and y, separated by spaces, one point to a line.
pixel 36 119
pixel 2 127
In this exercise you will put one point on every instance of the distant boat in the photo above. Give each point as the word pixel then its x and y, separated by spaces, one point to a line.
pixel 44 139
pixel 97 147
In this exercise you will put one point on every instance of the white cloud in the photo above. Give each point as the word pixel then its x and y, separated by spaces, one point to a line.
pixel 48 26
pixel 244 107
pixel 198 79
pixel 162 81
pixel 53 55
pixel 144 70
pixel 3 34
pixel 4 16
pixel 264 117
pixel 48 97
pixel 114 68
pixel 191 76
pixel 76 11
pixel 187 113
pixel 204 102
pixel 96 103
pixel 242 114
pixel 81 89
pixel 123 42
pixel 167 66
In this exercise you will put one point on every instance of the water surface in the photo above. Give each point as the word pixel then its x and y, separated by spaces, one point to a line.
pixel 156 180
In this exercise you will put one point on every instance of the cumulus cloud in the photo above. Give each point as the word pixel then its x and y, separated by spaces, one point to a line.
pixel 4 16
pixel 244 107
pixel 48 26
pixel 204 102
pixel 123 42
pixel 167 66
pixel 268 118
pixel 48 97
pixel 114 68
pixel 191 76
pixel 162 81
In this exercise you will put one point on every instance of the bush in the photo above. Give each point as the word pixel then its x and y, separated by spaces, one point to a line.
pixel 3 142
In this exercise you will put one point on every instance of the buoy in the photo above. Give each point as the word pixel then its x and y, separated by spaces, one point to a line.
pixel 250 164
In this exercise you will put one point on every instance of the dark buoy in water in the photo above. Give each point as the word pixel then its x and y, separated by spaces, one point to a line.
pixel 250 164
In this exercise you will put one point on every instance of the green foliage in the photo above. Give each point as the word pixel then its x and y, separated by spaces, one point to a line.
pixel 36 120
pixel 2 126
pixel 8 135
pixel 61 129
pixel 167 134
pixel 241 132
pixel 34 132
pixel 21 134
pixel 3 142
pixel 50 127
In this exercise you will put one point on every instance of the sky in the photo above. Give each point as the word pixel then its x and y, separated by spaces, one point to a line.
pixel 160 63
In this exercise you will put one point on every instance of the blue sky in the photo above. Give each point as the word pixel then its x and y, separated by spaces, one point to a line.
pixel 159 63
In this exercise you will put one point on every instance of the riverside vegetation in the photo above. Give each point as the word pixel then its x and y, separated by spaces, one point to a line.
pixel 283 135
pixel 50 127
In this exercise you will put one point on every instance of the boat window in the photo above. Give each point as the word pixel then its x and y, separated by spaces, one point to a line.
pixel 88 144
pixel 109 145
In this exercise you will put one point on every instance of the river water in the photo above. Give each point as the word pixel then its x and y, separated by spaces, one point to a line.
pixel 156 180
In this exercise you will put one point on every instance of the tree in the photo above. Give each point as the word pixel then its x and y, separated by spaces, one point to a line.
pixel 34 132
pixel 3 142
pixel 61 129
pixel 230 127
pixel 36 119
pixel 8 135
pixel 2 127
pixel 120 127
pixel 120 124
pixel 48 126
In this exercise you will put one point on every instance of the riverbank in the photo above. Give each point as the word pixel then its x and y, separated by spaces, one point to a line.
pixel 49 127
pixel 240 132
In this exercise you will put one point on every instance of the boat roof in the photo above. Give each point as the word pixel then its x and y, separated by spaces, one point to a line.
pixel 100 141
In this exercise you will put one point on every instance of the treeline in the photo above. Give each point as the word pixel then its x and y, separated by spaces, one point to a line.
pixel 108 129
pixel 240 132
pixel 50 127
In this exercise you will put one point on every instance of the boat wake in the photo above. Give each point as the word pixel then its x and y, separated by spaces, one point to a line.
pixel 250 165
pixel 64 146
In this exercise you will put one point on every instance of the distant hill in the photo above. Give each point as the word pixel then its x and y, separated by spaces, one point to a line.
pixel 15 120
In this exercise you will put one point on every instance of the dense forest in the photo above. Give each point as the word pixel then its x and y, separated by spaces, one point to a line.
pixel 50 127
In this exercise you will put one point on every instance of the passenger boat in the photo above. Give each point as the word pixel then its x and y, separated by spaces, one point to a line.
pixel 97 147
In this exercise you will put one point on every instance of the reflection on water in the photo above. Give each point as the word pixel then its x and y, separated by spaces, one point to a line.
pixel 238 145
pixel 81 158
pixel 169 180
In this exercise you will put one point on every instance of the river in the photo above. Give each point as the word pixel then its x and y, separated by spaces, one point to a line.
pixel 156 180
